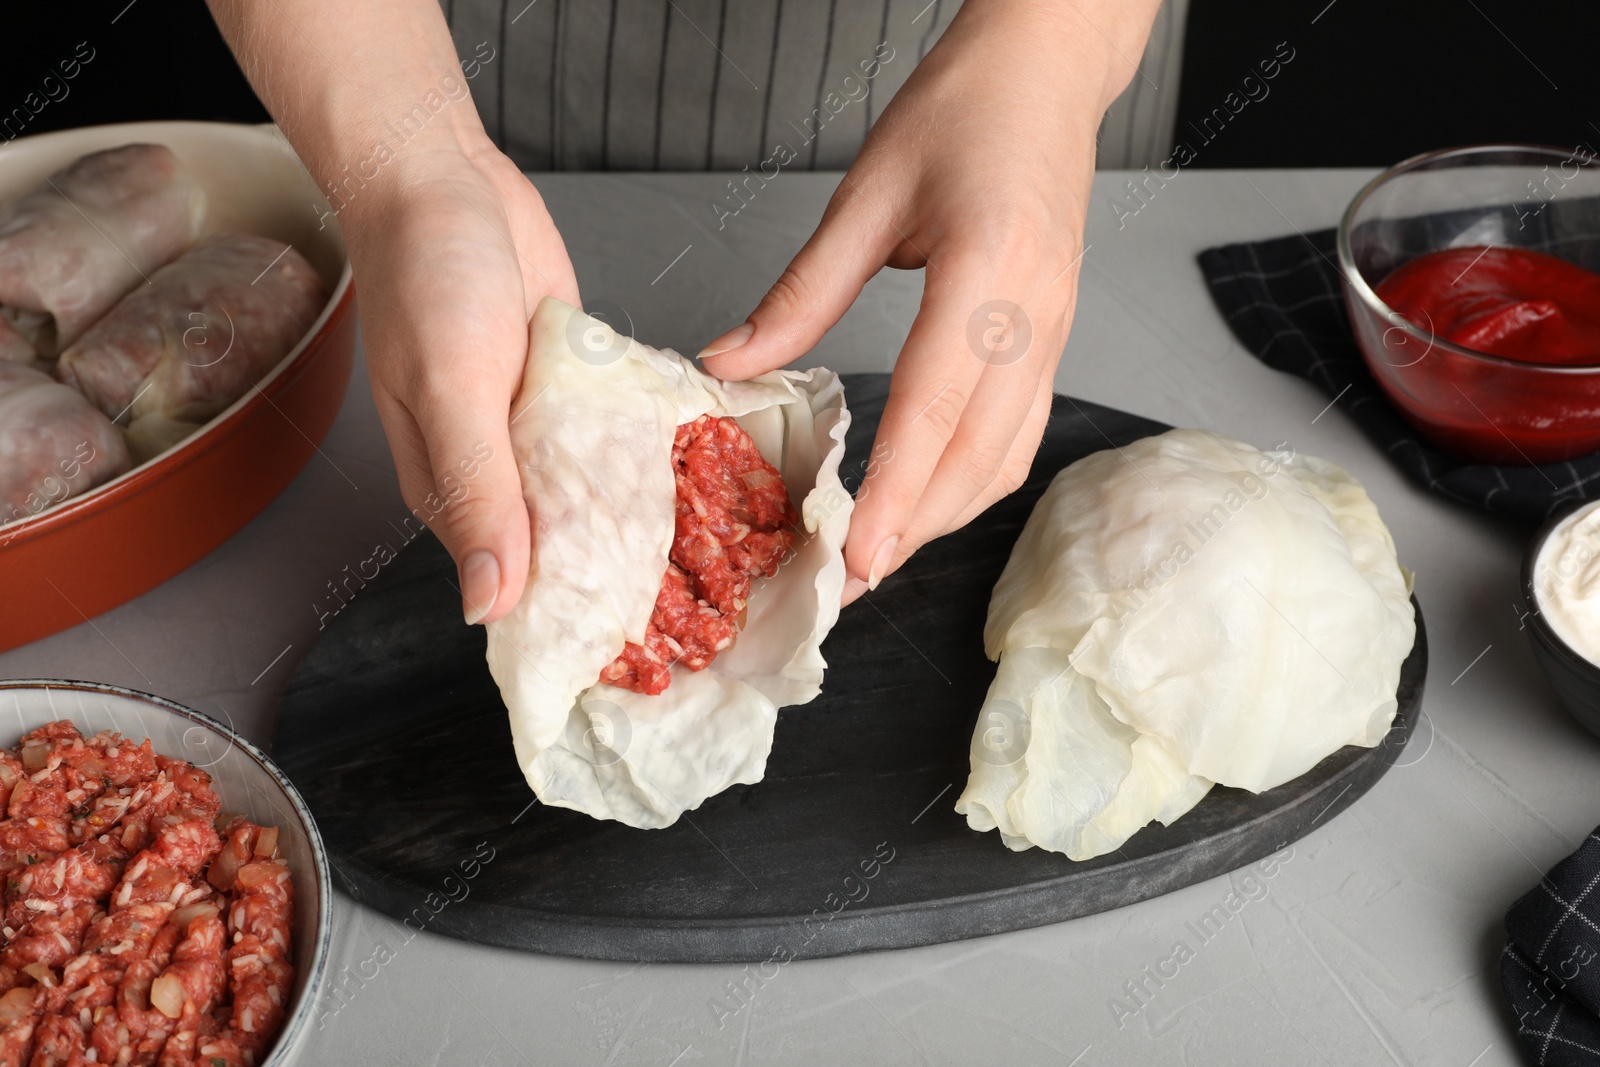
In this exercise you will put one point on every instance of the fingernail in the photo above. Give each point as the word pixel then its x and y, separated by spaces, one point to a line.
pixel 853 588
pixel 730 340
pixel 480 585
pixel 881 560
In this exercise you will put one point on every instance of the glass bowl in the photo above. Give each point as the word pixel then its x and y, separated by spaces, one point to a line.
pixel 1472 404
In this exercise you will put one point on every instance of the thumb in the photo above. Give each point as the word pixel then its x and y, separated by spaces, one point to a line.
pixel 462 483
pixel 849 246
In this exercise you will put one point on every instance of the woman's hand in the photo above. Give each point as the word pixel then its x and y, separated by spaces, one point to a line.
pixel 450 245
pixel 449 267
pixel 978 170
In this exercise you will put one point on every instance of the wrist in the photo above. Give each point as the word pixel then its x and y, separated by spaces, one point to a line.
pixel 379 103
pixel 379 170
pixel 1096 45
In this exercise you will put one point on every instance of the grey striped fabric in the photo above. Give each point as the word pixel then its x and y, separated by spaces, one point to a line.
pixel 715 84
pixel 1138 127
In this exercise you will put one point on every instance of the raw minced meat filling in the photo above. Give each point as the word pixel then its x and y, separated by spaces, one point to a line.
pixel 734 523
pixel 140 927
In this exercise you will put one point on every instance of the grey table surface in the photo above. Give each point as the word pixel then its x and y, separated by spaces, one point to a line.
pixel 1375 940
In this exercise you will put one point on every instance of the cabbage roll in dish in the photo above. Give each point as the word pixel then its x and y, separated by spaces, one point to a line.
pixel 210 324
pixel 72 247
pixel 53 443
pixel 14 348
pixel 686 564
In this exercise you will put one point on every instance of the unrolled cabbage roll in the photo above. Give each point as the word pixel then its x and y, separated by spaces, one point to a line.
pixel 210 324
pixel 593 433
pixel 53 443
pixel 1182 611
pixel 89 233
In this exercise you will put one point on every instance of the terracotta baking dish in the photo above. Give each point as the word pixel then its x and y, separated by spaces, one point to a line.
pixel 86 555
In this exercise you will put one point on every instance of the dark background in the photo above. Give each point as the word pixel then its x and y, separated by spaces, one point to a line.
pixel 1372 81
pixel 160 59
pixel 1375 81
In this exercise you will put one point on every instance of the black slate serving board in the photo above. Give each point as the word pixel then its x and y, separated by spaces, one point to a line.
pixel 395 732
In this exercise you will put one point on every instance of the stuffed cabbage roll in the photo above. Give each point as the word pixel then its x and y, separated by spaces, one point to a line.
pixel 176 352
pixel 1179 612
pixel 650 510
pixel 14 348
pixel 71 248
pixel 53 443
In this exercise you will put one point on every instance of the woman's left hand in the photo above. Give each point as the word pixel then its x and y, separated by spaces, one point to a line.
pixel 978 170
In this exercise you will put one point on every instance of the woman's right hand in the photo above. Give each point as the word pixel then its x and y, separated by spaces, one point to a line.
pixel 451 246
pixel 450 259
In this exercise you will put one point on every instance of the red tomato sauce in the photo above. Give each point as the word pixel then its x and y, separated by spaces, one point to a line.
pixel 1508 302
pixel 734 523
pixel 133 931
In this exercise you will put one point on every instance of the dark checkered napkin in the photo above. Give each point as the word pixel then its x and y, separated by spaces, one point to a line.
pixel 1551 969
pixel 1283 300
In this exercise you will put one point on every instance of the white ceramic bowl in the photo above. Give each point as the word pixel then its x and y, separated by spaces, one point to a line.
pixel 248 782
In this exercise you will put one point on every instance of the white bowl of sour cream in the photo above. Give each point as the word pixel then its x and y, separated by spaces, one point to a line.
pixel 1561 592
